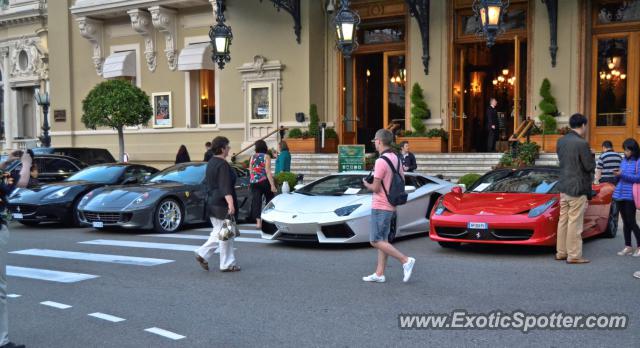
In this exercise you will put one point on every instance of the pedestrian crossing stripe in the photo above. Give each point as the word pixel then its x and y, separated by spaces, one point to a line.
pixel 72 255
pixel 201 237
pixel 107 317
pixel 164 333
pixel 144 245
pixel 48 275
pixel 55 305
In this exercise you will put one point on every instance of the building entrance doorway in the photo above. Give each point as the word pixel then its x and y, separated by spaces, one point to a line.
pixel 481 73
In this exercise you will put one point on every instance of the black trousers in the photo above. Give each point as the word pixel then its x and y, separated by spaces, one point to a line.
pixel 491 140
pixel 628 212
pixel 259 190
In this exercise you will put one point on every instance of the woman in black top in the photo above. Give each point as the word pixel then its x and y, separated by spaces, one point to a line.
pixel 221 203
pixel 183 155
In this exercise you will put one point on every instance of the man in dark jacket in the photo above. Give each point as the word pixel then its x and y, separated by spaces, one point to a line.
pixel 577 166
pixel 409 163
pixel 492 125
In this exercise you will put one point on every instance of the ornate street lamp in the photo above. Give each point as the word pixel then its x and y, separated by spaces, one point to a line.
pixel 491 14
pixel 346 22
pixel 220 36
pixel 42 98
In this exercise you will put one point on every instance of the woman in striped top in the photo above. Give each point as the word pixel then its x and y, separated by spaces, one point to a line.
pixel 628 175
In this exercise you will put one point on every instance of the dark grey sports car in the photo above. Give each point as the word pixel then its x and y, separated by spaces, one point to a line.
pixel 58 202
pixel 168 200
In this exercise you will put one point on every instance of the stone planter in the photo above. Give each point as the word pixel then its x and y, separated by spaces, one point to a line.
pixel 424 144
pixel 330 146
pixel 301 145
pixel 550 141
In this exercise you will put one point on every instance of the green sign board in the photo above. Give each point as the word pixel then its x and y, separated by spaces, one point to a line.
pixel 350 157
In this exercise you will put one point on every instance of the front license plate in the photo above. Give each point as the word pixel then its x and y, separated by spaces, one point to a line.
pixel 478 226
pixel 17 215
pixel 282 228
pixel 98 224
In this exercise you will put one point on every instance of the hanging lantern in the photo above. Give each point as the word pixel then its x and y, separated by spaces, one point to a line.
pixel 491 15
pixel 346 23
pixel 220 36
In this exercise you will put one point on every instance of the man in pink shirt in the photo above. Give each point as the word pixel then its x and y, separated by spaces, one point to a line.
pixel 382 211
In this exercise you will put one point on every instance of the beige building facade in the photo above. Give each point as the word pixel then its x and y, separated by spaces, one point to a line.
pixel 162 46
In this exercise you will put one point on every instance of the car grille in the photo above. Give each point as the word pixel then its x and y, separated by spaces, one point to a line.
pixel 24 209
pixel 269 228
pixel 337 231
pixel 298 237
pixel 101 217
pixel 494 234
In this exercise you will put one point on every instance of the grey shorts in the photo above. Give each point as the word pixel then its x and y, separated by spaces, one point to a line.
pixel 380 225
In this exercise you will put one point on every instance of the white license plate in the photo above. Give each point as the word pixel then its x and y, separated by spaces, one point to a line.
pixel 17 215
pixel 478 226
pixel 98 224
pixel 282 228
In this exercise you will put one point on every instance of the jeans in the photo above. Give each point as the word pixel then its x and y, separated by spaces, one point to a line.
pixel 258 190
pixel 628 212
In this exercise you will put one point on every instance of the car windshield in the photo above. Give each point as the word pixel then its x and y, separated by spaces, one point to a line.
pixel 518 181
pixel 191 174
pixel 335 185
pixel 99 174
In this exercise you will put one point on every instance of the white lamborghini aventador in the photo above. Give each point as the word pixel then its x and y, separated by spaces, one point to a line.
pixel 337 209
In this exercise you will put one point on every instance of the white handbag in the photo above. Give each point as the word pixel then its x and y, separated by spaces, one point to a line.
pixel 229 229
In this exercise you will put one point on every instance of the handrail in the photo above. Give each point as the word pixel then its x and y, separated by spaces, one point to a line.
pixel 522 130
pixel 282 129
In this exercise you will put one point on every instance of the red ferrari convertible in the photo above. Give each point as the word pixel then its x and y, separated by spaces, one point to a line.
pixel 514 206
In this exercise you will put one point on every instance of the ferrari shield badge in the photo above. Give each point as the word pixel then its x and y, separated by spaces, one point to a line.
pixel 186 194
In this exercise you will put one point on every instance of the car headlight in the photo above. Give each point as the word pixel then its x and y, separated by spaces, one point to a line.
pixel 86 197
pixel 440 208
pixel 537 211
pixel 15 192
pixel 138 201
pixel 58 194
pixel 346 211
pixel 269 207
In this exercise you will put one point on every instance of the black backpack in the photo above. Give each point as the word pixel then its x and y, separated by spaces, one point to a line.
pixel 396 194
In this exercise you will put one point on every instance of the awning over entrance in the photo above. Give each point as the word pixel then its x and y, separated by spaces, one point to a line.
pixel 120 64
pixel 196 57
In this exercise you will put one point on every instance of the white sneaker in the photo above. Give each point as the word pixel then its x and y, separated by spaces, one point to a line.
pixel 636 274
pixel 626 251
pixel 637 253
pixel 374 278
pixel 408 268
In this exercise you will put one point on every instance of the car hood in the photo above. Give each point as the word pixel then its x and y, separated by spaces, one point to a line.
pixel 36 194
pixel 118 197
pixel 299 203
pixel 494 203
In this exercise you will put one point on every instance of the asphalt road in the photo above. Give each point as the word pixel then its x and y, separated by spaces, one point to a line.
pixel 302 296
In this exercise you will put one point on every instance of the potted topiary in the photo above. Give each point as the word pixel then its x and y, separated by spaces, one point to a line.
pixel 300 142
pixel 421 140
pixel 548 137
pixel 330 141
pixel 289 177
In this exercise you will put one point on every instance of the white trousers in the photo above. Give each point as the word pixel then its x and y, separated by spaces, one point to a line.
pixel 206 251
pixel 4 316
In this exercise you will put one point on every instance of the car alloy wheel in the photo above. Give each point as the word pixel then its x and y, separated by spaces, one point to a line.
pixel 168 216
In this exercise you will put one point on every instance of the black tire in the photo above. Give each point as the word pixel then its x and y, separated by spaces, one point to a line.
pixel 393 230
pixel 450 245
pixel 30 223
pixel 73 220
pixel 173 224
pixel 612 228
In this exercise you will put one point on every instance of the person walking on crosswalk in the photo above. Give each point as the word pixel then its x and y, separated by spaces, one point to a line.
pixel 220 204
pixel 6 186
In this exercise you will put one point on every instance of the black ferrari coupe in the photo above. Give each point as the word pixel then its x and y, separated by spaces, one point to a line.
pixel 58 202
pixel 168 200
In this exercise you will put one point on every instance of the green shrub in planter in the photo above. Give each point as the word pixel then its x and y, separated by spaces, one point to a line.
pixel 468 179
pixel 437 132
pixel 289 177
pixel 330 133
pixel 295 133
pixel 314 121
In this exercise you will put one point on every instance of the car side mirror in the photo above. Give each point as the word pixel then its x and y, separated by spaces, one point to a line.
pixel 456 190
pixel 409 189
